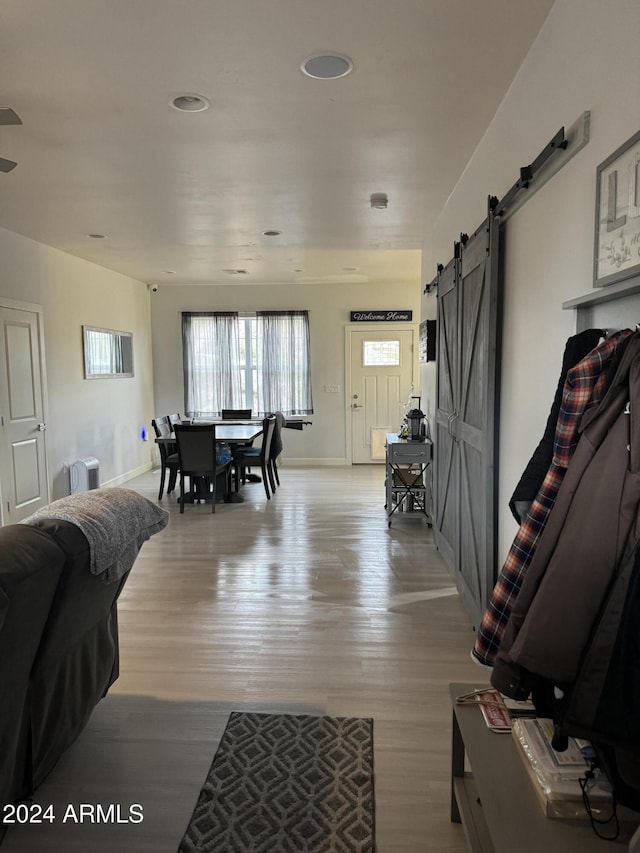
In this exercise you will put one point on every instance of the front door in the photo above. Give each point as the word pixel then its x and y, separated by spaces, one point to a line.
pixel 381 379
pixel 23 465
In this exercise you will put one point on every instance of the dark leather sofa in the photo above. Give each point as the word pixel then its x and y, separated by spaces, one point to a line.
pixel 58 645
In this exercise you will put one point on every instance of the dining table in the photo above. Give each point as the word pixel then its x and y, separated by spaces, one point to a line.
pixel 229 433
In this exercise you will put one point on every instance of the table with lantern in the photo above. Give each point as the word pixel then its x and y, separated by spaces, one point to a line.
pixel 407 479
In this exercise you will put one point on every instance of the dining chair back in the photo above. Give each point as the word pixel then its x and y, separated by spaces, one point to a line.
pixel 238 415
pixel 197 455
pixel 276 446
pixel 174 419
pixel 168 454
pixel 235 414
pixel 244 457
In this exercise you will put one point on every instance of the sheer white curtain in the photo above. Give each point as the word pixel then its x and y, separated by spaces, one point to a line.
pixel 283 362
pixel 211 359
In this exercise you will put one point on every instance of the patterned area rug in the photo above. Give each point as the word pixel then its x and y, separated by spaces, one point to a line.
pixel 287 784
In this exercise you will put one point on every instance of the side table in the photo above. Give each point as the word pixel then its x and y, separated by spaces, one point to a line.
pixel 494 800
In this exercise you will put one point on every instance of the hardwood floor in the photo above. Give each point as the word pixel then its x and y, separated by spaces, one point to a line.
pixel 307 603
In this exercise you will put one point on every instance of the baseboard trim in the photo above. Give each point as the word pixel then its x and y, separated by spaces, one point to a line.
pixel 129 475
pixel 309 462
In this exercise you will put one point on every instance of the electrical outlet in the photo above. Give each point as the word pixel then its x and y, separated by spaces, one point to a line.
pixel 332 389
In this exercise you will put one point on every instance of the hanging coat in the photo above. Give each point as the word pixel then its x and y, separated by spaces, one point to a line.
pixel 585 386
pixel 576 348
pixel 587 539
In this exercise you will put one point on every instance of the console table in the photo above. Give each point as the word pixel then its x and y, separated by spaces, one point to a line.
pixel 494 800
pixel 406 475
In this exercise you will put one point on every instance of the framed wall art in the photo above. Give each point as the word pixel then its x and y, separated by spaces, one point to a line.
pixel 427 341
pixel 617 236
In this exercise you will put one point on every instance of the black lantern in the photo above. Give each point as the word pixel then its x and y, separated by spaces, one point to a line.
pixel 415 418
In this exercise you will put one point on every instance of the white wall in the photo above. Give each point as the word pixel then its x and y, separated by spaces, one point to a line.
pixel 97 417
pixel 328 306
pixel 586 57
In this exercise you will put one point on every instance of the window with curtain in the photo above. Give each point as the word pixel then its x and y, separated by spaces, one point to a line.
pixel 259 362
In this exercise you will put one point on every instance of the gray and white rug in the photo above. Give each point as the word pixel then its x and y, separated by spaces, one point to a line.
pixel 281 783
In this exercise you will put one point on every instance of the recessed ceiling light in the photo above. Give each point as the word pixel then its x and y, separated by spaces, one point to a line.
pixel 327 66
pixel 168 272
pixel 97 236
pixel 349 269
pixel 236 272
pixel 272 233
pixel 190 103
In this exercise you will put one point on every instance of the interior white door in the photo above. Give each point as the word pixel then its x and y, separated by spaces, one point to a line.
pixel 23 464
pixel 381 379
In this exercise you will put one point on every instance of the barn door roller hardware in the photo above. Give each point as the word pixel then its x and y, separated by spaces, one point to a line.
pixel 558 151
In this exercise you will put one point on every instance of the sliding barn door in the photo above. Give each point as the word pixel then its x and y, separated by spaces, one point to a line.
pixel 446 457
pixel 466 448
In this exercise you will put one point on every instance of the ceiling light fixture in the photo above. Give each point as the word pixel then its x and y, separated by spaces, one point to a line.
pixel 96 236
pixel 326 66
pixel 379 201
pixel 272 233
pixel 190 103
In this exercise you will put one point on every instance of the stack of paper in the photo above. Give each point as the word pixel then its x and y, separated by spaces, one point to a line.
pixel 555 775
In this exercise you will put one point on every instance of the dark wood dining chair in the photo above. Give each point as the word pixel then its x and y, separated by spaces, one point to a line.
pixel 244 457
pixel 197 455
pixel 239 415
pixel 168 454
pixel 276 446
pixel 174 419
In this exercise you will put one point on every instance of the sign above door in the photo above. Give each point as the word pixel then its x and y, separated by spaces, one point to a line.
pixel 380 316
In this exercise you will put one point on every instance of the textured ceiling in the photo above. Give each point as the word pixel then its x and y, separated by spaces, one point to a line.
pixel 102 151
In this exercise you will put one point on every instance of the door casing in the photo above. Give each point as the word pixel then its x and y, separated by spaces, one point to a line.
pixel 350 330
pixel 5 513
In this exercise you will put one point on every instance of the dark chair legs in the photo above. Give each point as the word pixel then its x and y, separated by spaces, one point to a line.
pixel 266 479
pixel 173 476
pixel 162 475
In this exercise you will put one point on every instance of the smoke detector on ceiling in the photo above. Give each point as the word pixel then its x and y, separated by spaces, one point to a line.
pixel 190 103
pixel 379 201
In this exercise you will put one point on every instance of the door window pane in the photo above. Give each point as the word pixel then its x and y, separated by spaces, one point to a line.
pixel 380 353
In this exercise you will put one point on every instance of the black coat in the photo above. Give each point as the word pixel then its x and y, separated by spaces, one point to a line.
pixel 529 484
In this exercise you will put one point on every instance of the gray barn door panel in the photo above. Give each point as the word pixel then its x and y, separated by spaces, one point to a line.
pixel 446 457
pixel 467 502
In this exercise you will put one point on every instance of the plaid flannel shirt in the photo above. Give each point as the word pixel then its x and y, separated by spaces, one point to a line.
pixel 584 387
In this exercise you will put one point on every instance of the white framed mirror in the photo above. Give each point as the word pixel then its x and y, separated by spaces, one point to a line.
pixel 107 353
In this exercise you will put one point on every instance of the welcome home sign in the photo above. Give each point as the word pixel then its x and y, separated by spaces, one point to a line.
pixel 380 316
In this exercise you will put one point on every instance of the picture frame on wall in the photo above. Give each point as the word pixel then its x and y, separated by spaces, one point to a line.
pixel 427 341
pixel 617 232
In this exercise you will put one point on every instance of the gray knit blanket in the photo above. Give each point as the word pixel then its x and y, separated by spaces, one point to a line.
pixel 115 522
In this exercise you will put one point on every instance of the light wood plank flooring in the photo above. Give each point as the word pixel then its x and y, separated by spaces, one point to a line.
pixel 307 603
